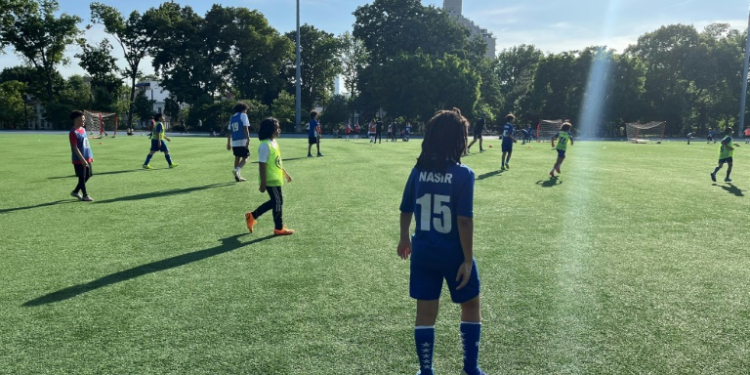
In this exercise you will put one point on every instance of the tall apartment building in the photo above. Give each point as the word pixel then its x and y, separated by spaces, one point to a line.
pixel 455 8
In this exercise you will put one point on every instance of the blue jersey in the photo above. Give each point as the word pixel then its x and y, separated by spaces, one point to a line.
pixel 80 140
pixel 237 125
pixel 313 126
pixel 408 129
pixel 508 130
pixel 437 199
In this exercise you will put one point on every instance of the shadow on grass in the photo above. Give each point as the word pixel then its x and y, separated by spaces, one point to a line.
pixel 489 175
pixel 552 182
pixel 55 203
pixel 103 173
pixel 165 193
pixel 227 244
pixel 285 160
pixel 733 190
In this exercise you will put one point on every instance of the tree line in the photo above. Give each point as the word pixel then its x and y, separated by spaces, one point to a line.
pixel 402 60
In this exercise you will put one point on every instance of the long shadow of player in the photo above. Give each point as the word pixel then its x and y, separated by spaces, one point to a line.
pixel 227 244
pixel 733 190
pixel 55 203
pixel 165 193
pixel 489 175
pixel 552 182
pixel 104 173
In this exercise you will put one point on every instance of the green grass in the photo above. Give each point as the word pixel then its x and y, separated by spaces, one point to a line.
pixel 633 262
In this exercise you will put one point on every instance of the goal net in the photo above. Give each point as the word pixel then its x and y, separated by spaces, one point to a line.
pixel 642 133
pixel 100 124
pixel 547 128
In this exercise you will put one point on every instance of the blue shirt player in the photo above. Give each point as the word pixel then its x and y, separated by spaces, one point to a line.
pixel 440 196
pixel 508 140
pixel 313 134
pixel 238 139
pixel 157 143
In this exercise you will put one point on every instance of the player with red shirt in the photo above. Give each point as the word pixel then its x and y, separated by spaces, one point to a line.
pixel 82 155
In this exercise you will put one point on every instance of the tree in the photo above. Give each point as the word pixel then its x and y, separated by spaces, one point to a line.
pixel 12 107
pixel 133 37
pixel 353 57
pixel 144 107
pixel 284 110
pixel 336 111
pixel 101 66
pixel 320 65
pixel 36 33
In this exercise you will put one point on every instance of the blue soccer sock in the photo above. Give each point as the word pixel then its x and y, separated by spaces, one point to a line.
pixel 470 335
pixel 424 338
pixel 148 159
pixel 169 158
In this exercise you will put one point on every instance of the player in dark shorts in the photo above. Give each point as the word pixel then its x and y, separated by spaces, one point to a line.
pixel 313 134
pixel 479 127
pixel 508 141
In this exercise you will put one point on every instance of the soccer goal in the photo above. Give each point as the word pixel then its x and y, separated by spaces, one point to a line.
pixel 643 133
pixel 98 123
pixel 547 128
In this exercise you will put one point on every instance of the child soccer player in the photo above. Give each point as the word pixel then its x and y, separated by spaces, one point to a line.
pixel 272 175
pixel 357 128
pixel 157 143
pixel 747 135
pixel 563 138
pixel 726 155
pixel 313 134
pixel 238 139
pixel 478 129
pixel 508 141
pixel 389 135
pixel 689 137
pixel 711 135
pixel 348 131
pixel 440 195
pixel 82 155
pixel 407 131
pixel 371 131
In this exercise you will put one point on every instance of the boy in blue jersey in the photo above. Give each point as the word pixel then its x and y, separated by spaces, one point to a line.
pixel 726 155
pixel 157 143
pixel 407 131
pixel 440 195
pixel 82 155
pixel 508 141
pixel 313 134
pixel 564 137
pixel 238 139
pixel 711 136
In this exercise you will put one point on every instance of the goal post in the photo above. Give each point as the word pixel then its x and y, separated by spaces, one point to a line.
pixel 643 133
pixel 547 128
pixel 98 124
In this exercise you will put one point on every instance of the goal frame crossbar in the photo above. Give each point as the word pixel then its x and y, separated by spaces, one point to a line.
pixel 637 132
pixel 96 119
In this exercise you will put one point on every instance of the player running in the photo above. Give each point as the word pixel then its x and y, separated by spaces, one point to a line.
pixel 479 128
pixel 272 176
pixel 726 155
pixel 157 143
pixel 508 141
pixel 440 195
pixel 563 138
pixel 238 139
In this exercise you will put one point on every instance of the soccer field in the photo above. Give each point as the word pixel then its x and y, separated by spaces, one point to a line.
pixel 632 262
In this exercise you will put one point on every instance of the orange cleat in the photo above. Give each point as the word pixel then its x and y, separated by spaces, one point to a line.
pixel 283 232
pixel 250 221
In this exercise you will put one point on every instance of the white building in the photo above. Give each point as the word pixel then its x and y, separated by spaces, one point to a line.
pixel 155 92
pixel 455 8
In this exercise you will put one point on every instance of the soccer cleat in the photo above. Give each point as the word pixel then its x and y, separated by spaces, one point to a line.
pixel 713 177
pixel 174 165
pixel 283 232
pixel 146 166
pixel 86 198
pixel 481 150
pixel 502 168
pixel 727 180
pixel 320 155
pixel 507 165
pixel 236 175
pixel 557 168
pixel 250 221
pixel 552 174
pixel 76 195
pixel 309 155
pixel 241 179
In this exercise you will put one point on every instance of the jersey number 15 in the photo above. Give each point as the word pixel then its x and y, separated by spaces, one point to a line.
pixel 440 206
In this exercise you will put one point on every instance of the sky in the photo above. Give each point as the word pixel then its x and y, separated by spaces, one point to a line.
pixel 553 26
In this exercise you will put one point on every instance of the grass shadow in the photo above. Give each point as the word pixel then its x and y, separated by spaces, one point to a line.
pixel 490 174
pixel 165 193
pixel 55 203
pixel 227 244
pixel 733 190
pixel 102 173
pixel 552 182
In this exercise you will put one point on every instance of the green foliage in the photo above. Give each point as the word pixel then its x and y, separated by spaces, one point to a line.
pixel 36 32
pixel 284 110
pixel 353 57
pixel 320 65
pixel 336 112
pixel 143 107
pixel 102 68
pixel 12 108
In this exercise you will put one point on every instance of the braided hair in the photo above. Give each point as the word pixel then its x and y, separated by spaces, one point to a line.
pixel 444 141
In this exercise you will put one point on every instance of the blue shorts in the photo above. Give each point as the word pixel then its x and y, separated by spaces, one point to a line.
pixel 726 160
pixel 155 146
pixel 507 147
pixel 426 282
pixel 561 154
